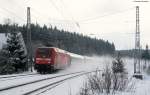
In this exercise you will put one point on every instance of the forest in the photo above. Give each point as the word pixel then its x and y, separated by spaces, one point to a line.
pixel 51 36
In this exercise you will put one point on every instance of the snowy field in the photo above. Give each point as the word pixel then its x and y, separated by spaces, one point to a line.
pixel 72 86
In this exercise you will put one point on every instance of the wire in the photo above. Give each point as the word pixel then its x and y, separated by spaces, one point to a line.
pixel 18 4
pixel 54 22
pixel 12 13
pixel 102 16
pixel 57 20
pixel 55 6
pixel 35 17
pixel 53 3
pixel 39 17
pixel 69 13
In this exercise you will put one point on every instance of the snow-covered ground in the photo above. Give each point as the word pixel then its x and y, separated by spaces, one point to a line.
pixel 85 65
pixel 72 86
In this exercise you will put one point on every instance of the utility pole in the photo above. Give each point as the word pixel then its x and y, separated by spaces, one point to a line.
pixel 137 67
pixel 29 42
pixel 137 50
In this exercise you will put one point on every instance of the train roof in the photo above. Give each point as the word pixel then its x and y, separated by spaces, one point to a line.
pixel 56 49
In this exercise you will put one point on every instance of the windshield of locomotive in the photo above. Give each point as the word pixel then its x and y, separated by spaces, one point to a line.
pixel 43 53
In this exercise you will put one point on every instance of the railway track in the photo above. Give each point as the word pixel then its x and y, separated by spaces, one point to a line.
pixel 7 89
pixel 48 83
pixel 12 76
pixel 54 84
pixel 18 77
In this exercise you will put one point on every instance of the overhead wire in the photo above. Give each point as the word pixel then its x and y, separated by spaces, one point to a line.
pixel 75 23
pixel 35 16
pixel 18 4
pixel 69 13
pixel 55 6
pixel 55 22
pixel 81 21
pixel 90 19
pixel 59 10
pixel 12 13
pixel 42 14
pixel 34 11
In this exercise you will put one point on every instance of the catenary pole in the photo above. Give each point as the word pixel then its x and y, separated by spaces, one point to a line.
pixel 29 42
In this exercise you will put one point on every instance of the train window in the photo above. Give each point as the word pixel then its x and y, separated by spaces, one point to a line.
pixel 43 53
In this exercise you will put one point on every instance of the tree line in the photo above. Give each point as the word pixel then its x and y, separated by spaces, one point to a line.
pixel 72 42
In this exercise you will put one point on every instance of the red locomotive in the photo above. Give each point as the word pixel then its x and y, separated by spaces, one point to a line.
pixel 48 59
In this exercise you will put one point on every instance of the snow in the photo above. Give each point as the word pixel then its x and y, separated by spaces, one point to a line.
pixel 72 86
pixel 75 55
pixel 30 87
pixel 2 39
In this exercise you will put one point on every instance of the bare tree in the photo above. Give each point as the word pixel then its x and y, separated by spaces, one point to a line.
pixel 107 82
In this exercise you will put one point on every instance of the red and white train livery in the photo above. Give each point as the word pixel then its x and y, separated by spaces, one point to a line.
pixel 48 59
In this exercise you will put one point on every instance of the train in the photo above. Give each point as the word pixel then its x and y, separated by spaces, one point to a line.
pixel 49 59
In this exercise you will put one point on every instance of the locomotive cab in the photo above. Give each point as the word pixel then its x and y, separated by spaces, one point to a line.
pixel 43 60
pixel 48 59
pixel 43 56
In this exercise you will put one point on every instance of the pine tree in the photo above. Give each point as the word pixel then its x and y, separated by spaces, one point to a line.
pixel 15 57
pixel 17 52
pixel 5 67
pixel 118 65
pixel 145 54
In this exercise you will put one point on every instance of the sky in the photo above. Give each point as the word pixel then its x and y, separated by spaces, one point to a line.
pixel 112 20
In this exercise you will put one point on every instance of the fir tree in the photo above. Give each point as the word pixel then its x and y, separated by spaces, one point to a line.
pixel 17 52
pixel 5 67
pixel 15 57
pixel 145 54
pixel 118 65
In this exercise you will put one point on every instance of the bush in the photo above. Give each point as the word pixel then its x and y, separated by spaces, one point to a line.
pixel 6 69
pixel 118 65
pixel 106 82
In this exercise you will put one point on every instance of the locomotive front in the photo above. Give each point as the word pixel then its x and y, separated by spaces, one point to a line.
pixel 48 59
pixel 43 59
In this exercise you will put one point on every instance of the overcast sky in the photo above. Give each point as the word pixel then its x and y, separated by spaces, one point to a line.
pixel 112 20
